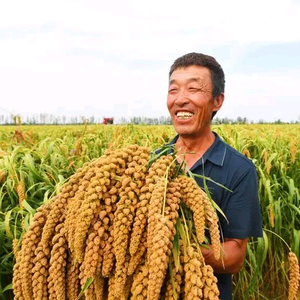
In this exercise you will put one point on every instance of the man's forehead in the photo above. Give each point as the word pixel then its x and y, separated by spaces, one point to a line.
pixel 189 74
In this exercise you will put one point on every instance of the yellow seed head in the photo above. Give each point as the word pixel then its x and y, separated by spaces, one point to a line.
pixel 294 276
pixel 2 176
pixel 293 151
pixel 21 193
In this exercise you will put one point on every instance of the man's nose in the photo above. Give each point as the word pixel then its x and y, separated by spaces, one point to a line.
pixel 182 98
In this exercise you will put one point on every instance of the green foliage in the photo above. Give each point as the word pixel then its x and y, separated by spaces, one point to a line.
pixel 43 158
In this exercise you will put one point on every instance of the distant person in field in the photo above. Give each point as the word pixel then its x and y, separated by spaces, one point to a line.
pixel 196 93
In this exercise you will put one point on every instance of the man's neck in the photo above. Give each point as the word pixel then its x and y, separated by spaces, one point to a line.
pixel 191 149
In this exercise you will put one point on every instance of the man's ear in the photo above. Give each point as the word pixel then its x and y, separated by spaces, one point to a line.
pixel 218 102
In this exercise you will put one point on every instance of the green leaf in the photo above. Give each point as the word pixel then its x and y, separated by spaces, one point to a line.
pixel 176 251
pixel 7 225
pixel 209 179
pixel 297 210
pixel 8 287
pixel 88 282
pixel 28 207
pixel 172 280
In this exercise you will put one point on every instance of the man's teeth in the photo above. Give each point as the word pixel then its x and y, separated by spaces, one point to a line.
pixel 184 115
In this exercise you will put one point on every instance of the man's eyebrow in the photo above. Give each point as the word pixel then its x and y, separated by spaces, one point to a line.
pixel 194 79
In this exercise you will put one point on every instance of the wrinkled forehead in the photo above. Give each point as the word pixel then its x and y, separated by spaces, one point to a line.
pixel 190 74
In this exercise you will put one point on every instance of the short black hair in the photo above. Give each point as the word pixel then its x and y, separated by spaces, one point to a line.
pixel 198 59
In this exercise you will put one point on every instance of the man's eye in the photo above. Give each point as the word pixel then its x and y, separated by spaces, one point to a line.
pixel 172 90
pixel 193 89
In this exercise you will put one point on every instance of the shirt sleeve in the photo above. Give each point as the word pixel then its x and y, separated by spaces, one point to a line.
pixel 243 209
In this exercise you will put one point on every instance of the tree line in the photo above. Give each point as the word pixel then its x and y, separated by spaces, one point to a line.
pixel 51 119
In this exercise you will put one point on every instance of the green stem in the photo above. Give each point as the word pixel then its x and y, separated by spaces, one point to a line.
pixel 166 175
pixel 185 227
pixel 279 238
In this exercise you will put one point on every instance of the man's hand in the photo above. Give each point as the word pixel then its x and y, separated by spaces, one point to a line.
pixel 231 261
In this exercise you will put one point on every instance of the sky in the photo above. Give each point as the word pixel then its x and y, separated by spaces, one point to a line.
pixel 112 58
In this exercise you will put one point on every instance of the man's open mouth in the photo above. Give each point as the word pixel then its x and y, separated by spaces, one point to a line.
pixel 183 115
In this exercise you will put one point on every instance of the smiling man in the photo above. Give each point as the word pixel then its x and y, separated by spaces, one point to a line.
pixel 196 93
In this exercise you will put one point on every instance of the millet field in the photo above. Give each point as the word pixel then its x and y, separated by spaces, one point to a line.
pixel 36 162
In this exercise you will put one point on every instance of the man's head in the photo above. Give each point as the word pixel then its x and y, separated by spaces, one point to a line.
pixel 202 60
pixel 196 93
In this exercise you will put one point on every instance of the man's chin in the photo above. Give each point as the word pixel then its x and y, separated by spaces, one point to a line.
pixel 187 132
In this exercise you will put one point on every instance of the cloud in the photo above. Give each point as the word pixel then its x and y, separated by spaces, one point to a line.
pixel 267 96
pixel 229 20
pixel 113 57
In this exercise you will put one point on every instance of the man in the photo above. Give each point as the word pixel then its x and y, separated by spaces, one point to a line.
pixel 196 93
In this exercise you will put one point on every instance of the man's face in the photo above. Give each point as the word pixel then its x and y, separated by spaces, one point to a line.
pixel 190 101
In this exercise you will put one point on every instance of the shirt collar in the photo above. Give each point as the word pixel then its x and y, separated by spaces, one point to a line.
pixel 215 153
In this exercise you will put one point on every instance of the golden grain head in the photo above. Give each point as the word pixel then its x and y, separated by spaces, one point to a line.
pixel 2 176
pixel 294 276
pixel 113 221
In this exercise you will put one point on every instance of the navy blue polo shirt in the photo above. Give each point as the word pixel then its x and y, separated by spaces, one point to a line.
pixel 227 166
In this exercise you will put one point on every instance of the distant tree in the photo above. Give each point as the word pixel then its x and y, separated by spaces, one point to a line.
pixel 123 121
pixel 239 120
pixel 278 122
pixel 81 119
pixel 92 120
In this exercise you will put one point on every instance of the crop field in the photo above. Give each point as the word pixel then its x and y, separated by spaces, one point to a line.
pixel 35 161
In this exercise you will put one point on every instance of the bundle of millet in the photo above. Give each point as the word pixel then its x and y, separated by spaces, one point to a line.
pixel 110 233
pixel 203 211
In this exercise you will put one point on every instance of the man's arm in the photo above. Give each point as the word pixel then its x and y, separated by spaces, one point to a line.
pixel 232 259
